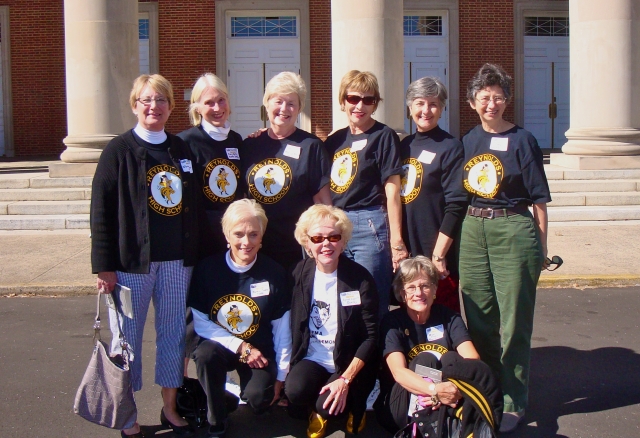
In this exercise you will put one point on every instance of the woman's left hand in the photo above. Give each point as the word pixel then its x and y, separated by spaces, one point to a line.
pixel 397 255
pixel 277 391
pixel 337 397
pixel 441 267
pixel 448 394
pixel 255 359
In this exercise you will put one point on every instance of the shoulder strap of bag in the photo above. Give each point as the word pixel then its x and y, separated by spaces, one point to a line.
pixel 97 326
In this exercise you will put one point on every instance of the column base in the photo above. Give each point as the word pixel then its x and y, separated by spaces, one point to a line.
pixel 84 148
pixel 590 162
pixel 63 170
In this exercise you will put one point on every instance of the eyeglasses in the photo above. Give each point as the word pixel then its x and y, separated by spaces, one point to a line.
pixel 146 101
pixel 484 101
pixel 555 260
pixel 354 100
pixel 319 239
pixel 412 290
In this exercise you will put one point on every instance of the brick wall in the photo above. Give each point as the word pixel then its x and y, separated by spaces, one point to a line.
pixel 321 92
pixel 486 35
pixel 37 76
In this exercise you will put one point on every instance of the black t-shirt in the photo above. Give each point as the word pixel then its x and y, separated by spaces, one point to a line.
pixel 504 170
pixel 283 176
pixel 444 331
pixel 164 201
pixel 217 166
pixel 362 163
pixel 432 195
pixel 242 303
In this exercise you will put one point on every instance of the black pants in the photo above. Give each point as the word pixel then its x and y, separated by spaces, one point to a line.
pixel 306 378
pixel 213 361
pixel 392 408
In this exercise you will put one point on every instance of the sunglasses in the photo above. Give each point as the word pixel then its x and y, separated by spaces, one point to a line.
pixel 319 239
pixel 354 100
pixel 555 260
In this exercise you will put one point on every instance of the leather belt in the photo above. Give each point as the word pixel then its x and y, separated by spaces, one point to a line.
pixel 491 213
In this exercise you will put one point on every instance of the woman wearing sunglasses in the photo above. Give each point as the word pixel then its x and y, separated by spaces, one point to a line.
pixel 503 247
pixel 365 181
pixel 433 199
pixel 334 316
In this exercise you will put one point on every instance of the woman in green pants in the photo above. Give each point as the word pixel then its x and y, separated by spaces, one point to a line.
pixel 503 246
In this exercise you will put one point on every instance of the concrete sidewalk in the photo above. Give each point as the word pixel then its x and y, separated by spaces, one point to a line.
pixel 57 263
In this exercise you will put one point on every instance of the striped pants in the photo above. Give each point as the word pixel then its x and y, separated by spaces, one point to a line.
pixel 167 284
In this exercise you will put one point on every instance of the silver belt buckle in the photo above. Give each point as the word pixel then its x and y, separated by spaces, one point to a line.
pixel 491 213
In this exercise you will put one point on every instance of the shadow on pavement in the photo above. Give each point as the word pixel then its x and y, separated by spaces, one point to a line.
pixel 566 381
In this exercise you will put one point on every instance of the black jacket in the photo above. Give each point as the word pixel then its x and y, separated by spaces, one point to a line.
pixel 357 325
pixel 119 208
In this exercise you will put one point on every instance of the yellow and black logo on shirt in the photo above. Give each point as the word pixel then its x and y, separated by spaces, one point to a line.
pixel 269 180
pixel 343 170
pixel 166 190
pixel 435 349
pixel 220 180
pixel 238 314
pixel 410 180
pixel 483 175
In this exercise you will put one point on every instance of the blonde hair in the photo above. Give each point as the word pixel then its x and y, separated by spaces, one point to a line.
pixel 360 81
pixel 159 84
pixel 240 210
pixel 285 83
pixel 317 213
pixel 409 270
pixel 205 82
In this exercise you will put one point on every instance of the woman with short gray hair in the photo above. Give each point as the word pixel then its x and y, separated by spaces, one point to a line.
pixel 432 195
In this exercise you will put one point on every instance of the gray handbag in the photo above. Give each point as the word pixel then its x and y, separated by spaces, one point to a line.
pixel 105 395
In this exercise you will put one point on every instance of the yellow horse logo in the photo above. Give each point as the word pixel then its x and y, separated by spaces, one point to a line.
pixel 222 181
pixel 233 318
pixel 165 188
pixel 268 180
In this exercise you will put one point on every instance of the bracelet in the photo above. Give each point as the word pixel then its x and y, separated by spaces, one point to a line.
pixel 245 354
pixel 437 258
pixel 398 248
pixel 347 381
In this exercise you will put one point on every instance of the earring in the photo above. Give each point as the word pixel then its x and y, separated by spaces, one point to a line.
pixel 373 113
pixel 342 108
pixel 261 245
pixel 228 245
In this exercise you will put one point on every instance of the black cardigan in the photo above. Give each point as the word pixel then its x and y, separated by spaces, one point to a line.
pixel 357 325
pixel 119 208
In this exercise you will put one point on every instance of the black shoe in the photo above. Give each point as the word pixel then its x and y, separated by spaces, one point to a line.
pixel 219 430
pixel 178 430
pixel 135 435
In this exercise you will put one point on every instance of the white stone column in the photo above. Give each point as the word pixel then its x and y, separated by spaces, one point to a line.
pixel 366 35
pixel 604 128
pixel 101 48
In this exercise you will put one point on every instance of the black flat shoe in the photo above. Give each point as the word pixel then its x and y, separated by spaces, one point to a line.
pixel 178 430
pixel 135 435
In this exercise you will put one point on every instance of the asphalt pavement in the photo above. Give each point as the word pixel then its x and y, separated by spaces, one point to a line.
pixel 584 378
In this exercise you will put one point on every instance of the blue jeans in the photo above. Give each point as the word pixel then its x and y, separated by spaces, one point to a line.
pixel 369 246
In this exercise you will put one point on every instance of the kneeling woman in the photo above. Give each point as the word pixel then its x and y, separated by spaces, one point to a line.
pixel 417 333
pixel 240 312
pixel 334 315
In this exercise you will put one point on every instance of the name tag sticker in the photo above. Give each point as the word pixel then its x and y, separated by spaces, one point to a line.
pixel 358 145
pixel 232 153
pixel 434 333
pixel 186 166
pixel 499 144
pixel 351 298
pixel 426 157
pixel 260 289
pixel 292 151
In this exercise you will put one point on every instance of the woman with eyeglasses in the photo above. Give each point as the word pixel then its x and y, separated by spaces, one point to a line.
pixel 286 168
pixel 423 334
pixel 216 148
pixel 433 199
pixel 365 181
pixel 147 234
pixel 334 320
pixel 503 245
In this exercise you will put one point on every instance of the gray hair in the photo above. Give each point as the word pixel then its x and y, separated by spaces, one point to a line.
pixel 487 76
pixel 409 270
pixel 205 82
pixel 240 210
pixel 427 87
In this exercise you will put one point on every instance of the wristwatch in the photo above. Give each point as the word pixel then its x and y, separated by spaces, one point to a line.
pixel 437 258
pixel 245 353
pixel 347 381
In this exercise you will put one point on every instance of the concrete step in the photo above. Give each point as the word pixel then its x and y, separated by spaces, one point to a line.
pixel 615 185
pixel 562 173
pixel 594 198
pixel 48 207
pixel 41 181
pixel 594 213
pixel 44 222
pixel 58 194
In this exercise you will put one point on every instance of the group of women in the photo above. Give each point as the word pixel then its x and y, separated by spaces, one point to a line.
pixel 181 220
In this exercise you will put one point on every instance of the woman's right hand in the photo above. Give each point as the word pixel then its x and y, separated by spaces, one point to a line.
pixel 448 394
pixel 441 267
pixel 106 281
pixel 257 133
pixel 255 359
